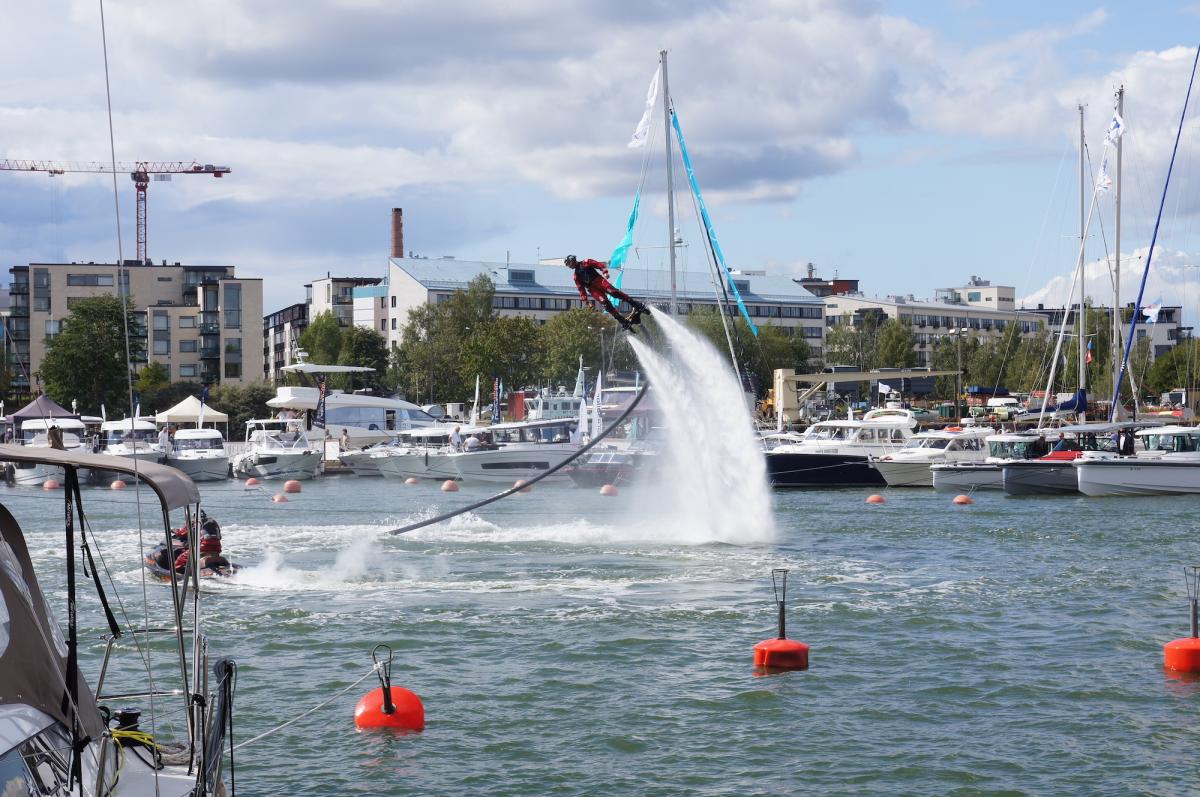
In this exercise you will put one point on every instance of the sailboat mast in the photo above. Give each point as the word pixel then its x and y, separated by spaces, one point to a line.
pixel 1116 345
pixel 666 95
pixel 1080 321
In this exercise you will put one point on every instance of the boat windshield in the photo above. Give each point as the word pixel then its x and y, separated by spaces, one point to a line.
pixel 1173 443
pixel 118 436
pixel 820 432
pixel 927 442
pixel 199 444
pixel 1018 449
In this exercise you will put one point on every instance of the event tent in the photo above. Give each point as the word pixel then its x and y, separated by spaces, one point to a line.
pixel 188 411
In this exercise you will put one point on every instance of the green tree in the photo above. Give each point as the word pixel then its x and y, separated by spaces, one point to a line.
pixel 242 404
pixel 1177 368
pixel 571 335
pixel 322 339
pixel 757 356
pixel 896 345
pixel 509 348
pixel 151 382
pixel 368 349
pixel 87 361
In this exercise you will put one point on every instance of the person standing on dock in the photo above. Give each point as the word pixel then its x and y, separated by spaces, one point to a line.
pixel 344 440
pixel 456 438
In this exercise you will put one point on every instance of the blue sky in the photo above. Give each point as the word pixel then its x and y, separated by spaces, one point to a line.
pixel 908 144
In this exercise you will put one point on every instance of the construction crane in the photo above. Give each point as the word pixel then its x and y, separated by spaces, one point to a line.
pixel 140 172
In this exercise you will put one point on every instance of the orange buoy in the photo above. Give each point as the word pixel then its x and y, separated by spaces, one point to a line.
pixel 50 484
pixel 279 498
pixel 519 483
pixel 608 489
pixel 449 486
pixel 117 485
pixel 1182 655
pixel 781 654
pixel 407 714
pixel 876 498
pixel 962 500
pixel 291 486
pixel 412 480
pixel 251 482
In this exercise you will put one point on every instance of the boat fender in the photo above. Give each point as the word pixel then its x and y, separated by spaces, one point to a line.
pixel 954 428
pixel 389 706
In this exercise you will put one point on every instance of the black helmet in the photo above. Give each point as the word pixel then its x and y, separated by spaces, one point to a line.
pixel 571 261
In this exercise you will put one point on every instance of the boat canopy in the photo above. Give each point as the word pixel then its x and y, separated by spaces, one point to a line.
pixel 188 411
pixel 45 424
pixel 316 368
pixel 531 424
pixel 41 407
pixel 306 398
pixel 1168 430
pixel 1106 428
pixel 192 433
pixel 128 424
pixel 966 431
pixel 442 431
pixel 173 488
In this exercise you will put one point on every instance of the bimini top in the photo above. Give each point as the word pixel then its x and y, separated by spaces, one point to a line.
pixel 191 433
pixel 128 424
pixel 316 368
pixel 174 489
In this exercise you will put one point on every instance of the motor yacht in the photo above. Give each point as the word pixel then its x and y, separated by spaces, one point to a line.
pixel 275 451
pixel 1165 461
pixel 132 438
pixel 909 467
pixel 35 433
pixel 837 453
pixel 200 453
pixel 965 477
pixel 517 450
pixel 1054 473
pixel 364 461
pixel 424 454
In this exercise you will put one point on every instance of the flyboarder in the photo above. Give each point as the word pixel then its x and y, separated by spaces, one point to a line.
pixel 591 278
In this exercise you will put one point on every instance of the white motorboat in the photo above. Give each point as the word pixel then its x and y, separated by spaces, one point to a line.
pixel 367 419
pixel 200 453
pixel 132 438
pixel 35 433
pixel 837 453
pixel 1167 463
pixel 55 737
pixel 517 450
pixel 275 452
pixel 964 477
pixel 424 454
pixel 364 461
pixel 909 467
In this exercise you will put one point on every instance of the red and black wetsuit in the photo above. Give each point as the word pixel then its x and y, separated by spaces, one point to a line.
pixel 591 278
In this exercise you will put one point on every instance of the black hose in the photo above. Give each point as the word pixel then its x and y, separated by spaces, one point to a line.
pixel 420 524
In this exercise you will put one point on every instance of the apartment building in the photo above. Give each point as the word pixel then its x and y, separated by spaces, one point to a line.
pixel 1162 325
pixel 281 339
pixel 198 322
pixel 336 295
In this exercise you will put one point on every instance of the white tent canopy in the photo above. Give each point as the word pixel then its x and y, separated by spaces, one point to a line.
pixel 188 411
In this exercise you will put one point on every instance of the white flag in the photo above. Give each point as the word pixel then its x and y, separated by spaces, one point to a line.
pixel 884 387
pixel 1152 310
pixel 1116 128
pixel 1103 182
pixel 643 126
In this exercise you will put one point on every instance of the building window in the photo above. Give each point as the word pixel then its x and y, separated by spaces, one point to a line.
pixel 161 321
pixel 52 327
pixel 520 277
pixel 973 296
pixel 188 369
pixel 383 325
pixel 43 303
pixel 393 301
pixel 90 280
pixel 233 370
pixel 393 323
pixel 187 346
pixel 162 347
pixel 187 322
pixel 233 305
pixel 233 349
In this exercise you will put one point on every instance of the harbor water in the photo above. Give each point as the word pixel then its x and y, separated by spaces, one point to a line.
pixel 566 643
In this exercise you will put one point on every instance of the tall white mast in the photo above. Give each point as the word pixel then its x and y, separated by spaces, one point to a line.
pixel 666 95
pixel 1080 320
pixel 1116 344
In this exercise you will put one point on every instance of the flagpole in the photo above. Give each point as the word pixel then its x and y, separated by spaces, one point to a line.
pixel 1080 320
pixel 1117 262
pixel 666 93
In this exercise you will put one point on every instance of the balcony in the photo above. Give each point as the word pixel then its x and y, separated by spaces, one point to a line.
pixel 210 328
pixel 19 288
pixel 210 353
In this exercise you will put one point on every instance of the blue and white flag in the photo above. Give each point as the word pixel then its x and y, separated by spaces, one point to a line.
pixel 642 131
pixel 1116 128
pixel 1152 310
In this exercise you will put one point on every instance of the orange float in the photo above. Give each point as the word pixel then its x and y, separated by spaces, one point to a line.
pixel 117 485
pixel 1183 655
pixel 279 498
pixel 291 486
pixel 876 498
pixel 962 500
pixel 50 484
pixel 449 486
pixel 781 653
pixel 407 712
pixel 521 488
pixel 608 489
pixel 252 482
pixel 412 480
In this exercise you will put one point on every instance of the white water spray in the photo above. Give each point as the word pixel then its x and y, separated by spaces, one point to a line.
pixel 714 477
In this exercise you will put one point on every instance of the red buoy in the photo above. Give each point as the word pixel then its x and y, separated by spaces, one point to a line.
pixel 449 486
pixel 1183 655
pixel 291 486
pixel 252 482
pixel 608 489
pixel 781 654
pixel 118 485
pixel 876 498
pixel 962 500
pixel 279 498
pixel 50 484
pixel 408 713
pixel 520 484
pixel 412 480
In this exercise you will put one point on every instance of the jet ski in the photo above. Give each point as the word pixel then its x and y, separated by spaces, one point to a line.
pixel 211 565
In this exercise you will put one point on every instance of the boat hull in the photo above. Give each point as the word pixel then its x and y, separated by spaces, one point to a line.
pixel 967 478
pixel 821 470
pixel 904 474
pixel 282 465
pixel 506 465
pixel 417 466
pixel 1039 478
pixel 1131 477
pixel 361 463
pixel 202 469
pixel 29 474
pixel 106 476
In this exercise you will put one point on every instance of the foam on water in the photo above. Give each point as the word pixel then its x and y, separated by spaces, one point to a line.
pixel 714 483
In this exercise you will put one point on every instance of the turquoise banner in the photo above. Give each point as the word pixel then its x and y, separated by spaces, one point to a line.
pixel 617 261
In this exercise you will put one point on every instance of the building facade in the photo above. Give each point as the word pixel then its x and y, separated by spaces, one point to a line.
pixel 1163 327
pixel 336 295
pixel 199 322
pixel 281 339
pixel 544 290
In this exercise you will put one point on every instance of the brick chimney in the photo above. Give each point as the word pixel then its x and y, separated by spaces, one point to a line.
pixel 397 232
